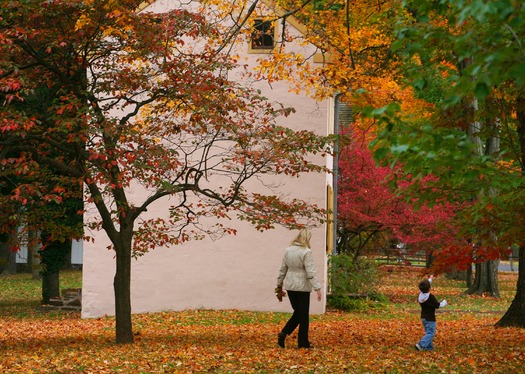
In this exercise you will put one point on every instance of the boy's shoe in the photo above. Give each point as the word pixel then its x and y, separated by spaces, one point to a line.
pixel 280 339
pixel 418 347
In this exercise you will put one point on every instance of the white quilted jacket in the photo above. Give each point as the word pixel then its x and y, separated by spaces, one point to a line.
pixel 298 270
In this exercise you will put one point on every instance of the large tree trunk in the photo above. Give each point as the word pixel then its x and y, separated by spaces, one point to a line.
pixel 429 259
pixel 50 286
pixel 10 256
pixel 10 266
pixel 122 287
pixel 4 255
pixel 469 276
pixel 515 315
pixel 485 279
pixel 33 248
pixel 462 275
pixel 53 256
pixel 456 274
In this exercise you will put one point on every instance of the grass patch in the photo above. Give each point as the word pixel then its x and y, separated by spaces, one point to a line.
pixel 20 294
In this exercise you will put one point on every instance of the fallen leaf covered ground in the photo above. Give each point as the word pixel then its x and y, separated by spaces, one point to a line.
pixel 203 341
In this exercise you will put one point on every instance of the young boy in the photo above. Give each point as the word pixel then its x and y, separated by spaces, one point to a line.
pixel 429 304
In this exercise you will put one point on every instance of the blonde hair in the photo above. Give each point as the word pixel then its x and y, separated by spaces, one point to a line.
pixel 303 238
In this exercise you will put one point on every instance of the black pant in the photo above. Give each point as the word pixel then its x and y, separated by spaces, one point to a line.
pixel 301 309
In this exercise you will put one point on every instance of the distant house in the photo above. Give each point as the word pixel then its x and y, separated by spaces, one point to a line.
pixel 235 272
pixel 76 253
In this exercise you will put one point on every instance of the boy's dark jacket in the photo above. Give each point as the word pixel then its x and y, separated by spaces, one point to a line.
pixel 428 308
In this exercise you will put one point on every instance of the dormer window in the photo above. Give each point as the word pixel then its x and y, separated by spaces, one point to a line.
pixel 263 35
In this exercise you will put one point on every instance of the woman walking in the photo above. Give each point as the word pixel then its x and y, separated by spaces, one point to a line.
pixel 298 275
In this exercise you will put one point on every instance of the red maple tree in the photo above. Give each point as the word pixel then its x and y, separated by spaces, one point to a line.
pixel 374 215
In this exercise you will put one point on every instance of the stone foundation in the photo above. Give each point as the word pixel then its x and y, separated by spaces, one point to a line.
pixel 71 300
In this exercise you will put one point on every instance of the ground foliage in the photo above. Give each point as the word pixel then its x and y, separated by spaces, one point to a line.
pixel 200 341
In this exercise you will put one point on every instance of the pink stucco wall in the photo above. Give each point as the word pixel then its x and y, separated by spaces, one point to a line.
pixel 235 272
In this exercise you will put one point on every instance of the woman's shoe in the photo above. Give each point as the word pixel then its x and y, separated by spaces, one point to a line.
pixel 280 339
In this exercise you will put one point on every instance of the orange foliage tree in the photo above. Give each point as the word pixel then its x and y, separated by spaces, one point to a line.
pixel 466 59
pixel 364 61
pixel 354 40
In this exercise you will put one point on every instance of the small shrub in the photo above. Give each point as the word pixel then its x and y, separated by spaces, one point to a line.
pixel 353 284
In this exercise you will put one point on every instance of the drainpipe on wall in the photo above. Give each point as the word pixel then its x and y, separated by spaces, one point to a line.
pixel 342 117
pixel 335 177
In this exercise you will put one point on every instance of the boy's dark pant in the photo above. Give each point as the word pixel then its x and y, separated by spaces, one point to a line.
pixel 301 309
